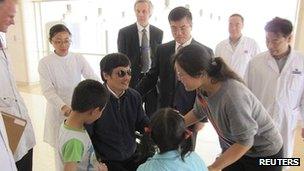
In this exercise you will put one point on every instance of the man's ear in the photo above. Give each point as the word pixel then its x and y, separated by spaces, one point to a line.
pixel 96 110
pixel 289 38
pixel 105 75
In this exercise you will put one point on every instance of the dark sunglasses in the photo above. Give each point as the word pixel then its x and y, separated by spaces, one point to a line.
pixel 123 73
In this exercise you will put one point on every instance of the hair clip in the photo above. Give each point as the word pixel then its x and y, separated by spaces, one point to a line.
pixel 213 62
pixel 148 130
pixel 188 133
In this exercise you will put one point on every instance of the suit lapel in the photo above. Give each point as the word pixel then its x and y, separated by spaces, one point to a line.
pixel 134 32
pixel 193 42
pixel 171 52
pixel 152 34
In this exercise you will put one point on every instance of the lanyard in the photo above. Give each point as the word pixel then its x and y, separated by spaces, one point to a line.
pixel 206 109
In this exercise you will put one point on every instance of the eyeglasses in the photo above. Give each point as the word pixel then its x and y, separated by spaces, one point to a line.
pixel 123 73
pixel 60 42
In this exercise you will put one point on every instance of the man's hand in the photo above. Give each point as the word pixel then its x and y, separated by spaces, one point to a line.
pixel 102 167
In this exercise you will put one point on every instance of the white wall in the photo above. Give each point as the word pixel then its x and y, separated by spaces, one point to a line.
pixel 27 43
pixel 299 39
pixel 16 49
pixel 22 44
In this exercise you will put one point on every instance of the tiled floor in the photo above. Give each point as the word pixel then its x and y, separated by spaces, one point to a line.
pixel 207 141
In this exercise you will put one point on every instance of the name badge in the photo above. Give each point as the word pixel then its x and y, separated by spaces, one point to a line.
pixel 296 71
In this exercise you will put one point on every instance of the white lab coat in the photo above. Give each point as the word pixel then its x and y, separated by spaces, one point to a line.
pixel 282 94
pixel 11 102
pixel 7 161
pixel 58 78
pixel 238 59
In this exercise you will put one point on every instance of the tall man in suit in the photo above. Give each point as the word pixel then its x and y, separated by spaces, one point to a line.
pixel 171 91
pixel 139 41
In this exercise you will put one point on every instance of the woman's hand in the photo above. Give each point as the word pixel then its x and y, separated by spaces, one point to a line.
pixel 231 155
pixel 66 110
pixel 102 167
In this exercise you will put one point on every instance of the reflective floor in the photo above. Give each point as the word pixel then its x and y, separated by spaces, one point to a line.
pixel 207 141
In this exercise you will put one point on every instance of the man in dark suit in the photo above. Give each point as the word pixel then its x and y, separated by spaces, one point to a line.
pixel 139 41
pixel 171 91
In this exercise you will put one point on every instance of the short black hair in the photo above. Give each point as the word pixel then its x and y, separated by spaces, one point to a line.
pixel 89 94
pixel 237 15
pixel 112 61
pixel 57 29
pixel 179 13
pixel 144 1
pixel 279 25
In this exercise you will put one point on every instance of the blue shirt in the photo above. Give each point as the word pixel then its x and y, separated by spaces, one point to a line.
pixel 172 161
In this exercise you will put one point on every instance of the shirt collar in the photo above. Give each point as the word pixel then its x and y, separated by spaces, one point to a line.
pixel 184 45
pixel 140 28
pixel 236 43
pixel 168 154
pixel 113 93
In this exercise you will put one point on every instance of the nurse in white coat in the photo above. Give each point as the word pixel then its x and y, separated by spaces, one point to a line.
pixel 276 77
pixel 12 102
pixel 237 50
pixel 60 72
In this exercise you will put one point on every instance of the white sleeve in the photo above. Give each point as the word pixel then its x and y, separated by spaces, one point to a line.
pixel 302 109
pixel 86 70
pixel 217 51
pixel 47 87
pixel 247 75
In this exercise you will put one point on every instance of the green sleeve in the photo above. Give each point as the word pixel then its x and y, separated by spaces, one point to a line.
pixel 72 151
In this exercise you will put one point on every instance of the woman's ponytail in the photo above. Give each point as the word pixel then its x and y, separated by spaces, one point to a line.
pixel 220 71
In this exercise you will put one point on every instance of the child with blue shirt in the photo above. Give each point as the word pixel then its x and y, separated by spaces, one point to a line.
pixel 169 133
pixel 74 146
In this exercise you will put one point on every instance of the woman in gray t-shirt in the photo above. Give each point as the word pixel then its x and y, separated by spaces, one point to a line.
pixel 245 129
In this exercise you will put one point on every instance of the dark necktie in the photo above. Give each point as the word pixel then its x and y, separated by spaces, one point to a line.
pixel 145 57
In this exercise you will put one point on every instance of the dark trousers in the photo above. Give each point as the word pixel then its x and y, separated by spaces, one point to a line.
pixel 26 163
pixel 246 163
pixel 130 164
pixel 150 100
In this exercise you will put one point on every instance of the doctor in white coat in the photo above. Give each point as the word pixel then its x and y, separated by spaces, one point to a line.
pixel 276 77
pixel 60 72
pixel 237 50
pixel 12 102
pixel 7 161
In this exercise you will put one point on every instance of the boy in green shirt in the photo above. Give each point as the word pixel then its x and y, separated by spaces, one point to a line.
pixel 75 147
